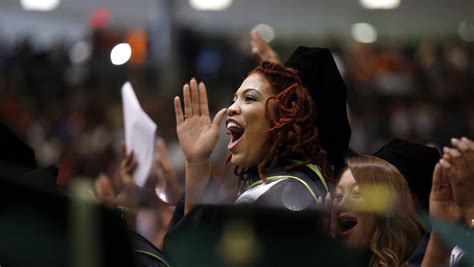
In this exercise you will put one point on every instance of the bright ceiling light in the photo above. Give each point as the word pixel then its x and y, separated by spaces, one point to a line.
pixel 39 5
pixel 380 4
pixel 364 33
pixel 120 54
pixel 210 5
pixel 266 31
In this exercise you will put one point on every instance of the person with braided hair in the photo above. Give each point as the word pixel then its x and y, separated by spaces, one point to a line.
pixel 288 143
pixel 288 132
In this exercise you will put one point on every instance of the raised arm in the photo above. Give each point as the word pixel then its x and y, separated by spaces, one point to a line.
pixel 261 49
pixel 197 136
pixel 462 165
pixel 166 186
pixel 451 195
pixel 442 206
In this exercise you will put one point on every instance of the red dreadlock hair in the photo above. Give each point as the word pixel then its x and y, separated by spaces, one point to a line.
pixel 293 134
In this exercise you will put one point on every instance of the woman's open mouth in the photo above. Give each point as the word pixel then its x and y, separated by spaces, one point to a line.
pixel 235 131
pixel 345 224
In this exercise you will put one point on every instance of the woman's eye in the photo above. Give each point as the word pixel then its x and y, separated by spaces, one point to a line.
pixel 249 98
pixel 338 197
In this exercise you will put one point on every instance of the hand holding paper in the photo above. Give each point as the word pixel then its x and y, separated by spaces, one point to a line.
pixel 139 134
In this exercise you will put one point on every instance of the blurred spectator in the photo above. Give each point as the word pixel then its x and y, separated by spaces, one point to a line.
pixel 72 114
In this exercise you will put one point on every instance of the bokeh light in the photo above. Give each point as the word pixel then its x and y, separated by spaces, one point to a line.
pixel 39 5
pixel 378 199
pixel 266 31
pixel 100 17
pixel 80 52
pixel 380 4
pixel 364 32
pixel 210 5
pixel 239 245
pixel 120 54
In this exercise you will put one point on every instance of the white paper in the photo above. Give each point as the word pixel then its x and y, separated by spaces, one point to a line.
pixel 139 134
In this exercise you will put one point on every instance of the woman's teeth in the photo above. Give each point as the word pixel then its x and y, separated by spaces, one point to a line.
pixel 232 124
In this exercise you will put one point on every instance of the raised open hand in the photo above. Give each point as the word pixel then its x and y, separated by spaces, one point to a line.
pixel 196 133
pixel 166 185
pixel 442 203
pixel 128 164
pixel 105 191
pixel 262 49
pixel 329 209
pixel 443 206
pixel 461 160
pixel 103 184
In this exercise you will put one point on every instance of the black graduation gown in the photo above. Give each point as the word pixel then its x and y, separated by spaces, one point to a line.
pixel 289 194
pixel 145 253
pixel 279 226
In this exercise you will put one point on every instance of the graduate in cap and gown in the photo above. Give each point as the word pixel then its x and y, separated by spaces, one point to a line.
pixel 288 130
pixel 283 119
pixel 379 196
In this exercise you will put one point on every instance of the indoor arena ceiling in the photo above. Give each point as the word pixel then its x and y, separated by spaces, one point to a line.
pixel 302 18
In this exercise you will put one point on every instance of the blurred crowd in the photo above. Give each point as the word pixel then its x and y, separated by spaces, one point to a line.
pixel 70 112
pixel 65 101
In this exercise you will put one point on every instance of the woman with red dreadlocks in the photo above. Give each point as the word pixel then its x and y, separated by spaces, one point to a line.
pixel 288 132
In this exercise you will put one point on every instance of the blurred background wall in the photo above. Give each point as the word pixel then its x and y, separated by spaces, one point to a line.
pixel 408 66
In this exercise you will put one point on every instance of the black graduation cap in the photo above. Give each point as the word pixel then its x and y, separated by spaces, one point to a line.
pixel 44 177
pixel 319 74
pixel 416 162
pixel 15 152
pixel 18 162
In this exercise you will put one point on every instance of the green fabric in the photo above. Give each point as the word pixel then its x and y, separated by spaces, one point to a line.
pixel 318 173
pixel 454 235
